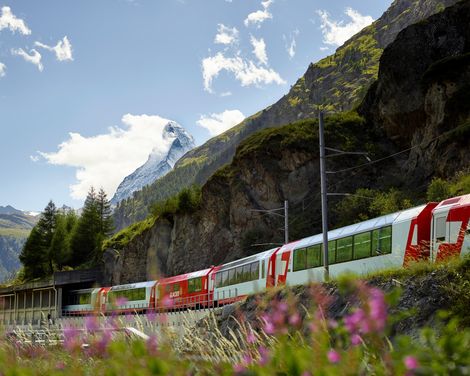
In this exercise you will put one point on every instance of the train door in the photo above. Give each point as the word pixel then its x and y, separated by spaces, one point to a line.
pixel 438 233
pixel 282 267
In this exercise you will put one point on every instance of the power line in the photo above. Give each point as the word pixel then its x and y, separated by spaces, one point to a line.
pixel 382 159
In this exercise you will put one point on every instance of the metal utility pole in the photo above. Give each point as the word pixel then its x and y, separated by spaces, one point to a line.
pixel 324 196
pixel 286 221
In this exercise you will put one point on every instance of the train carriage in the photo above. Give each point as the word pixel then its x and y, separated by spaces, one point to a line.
pixel 134 297
pixel 82 302
pixel 191 290
pixel 388 241
pixel 450 228
pixel 237 279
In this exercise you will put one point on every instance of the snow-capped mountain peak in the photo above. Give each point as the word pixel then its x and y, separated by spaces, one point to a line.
pixel 158 163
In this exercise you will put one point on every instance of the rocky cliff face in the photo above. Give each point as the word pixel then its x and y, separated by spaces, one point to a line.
pixel 157 164
pixel 421 96
pixel 338 82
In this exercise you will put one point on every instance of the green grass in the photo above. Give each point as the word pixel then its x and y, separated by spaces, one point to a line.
pixel 125 236
pixel 14 232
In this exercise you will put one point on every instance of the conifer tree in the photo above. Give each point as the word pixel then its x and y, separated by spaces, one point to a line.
pixel 61 241
pixel 32 256
pixel 105 212
pixel 36 254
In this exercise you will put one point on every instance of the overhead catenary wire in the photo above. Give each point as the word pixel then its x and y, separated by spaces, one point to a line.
pixel 383 158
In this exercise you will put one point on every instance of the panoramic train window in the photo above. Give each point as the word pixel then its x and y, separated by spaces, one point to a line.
pixel 331 252
pixel 195 285
pixel 84 298
pixel 440 229
pixel 344 249
pixel 314 256
pixel 240 274
pixel 129 295
pixel 382 240
pixel 300 259
pixel 254 271
pixel 362 245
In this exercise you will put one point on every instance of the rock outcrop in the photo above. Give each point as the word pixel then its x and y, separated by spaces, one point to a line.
pixel 421 96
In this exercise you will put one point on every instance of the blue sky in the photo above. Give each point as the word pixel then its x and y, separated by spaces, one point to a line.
pixel 110 71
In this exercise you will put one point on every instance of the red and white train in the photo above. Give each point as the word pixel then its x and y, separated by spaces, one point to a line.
pixel 435 232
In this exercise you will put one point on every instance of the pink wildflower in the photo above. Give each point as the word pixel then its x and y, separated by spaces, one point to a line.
pixel 121 301
pixel 378 308
pixel 152 345
pixel 250 337
pixel 294 319
pixel 411 363
pixel 268 324
pixel 282 306
pixel 356 339
pixel 333 356
pixel 71 338
pixel 151 316
pixel 239 368
pixel 264 355
pixel 354 321
pixel 91 323
pixel 102 343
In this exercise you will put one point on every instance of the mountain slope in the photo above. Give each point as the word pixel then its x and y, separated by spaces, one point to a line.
pixel 15 227
pixel 337 82
pixel 157 164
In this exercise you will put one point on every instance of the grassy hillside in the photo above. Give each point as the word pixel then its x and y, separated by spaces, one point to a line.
pixel 14 229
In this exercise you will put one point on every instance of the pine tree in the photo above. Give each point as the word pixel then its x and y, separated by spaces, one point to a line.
pixel 32 255
pixel 85 236
pixel 61 241
pixel 36 254
pixel 105 212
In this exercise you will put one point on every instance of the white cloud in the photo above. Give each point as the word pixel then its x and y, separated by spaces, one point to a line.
pixel 226 94
pixel 291 44
pixel 3 69
pixel 259 49
pixel 226 35
pixel 219 123
pixel 34 158
pixel 62 50
pixel 245 71
pixel 337 32
pixel 9 21
pixel 105 160
pixel 258 17
pixel 34 58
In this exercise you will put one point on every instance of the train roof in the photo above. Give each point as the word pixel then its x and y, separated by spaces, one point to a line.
pixel 248 260
pixel 84 291
pixel 357 228
pixel 131 286
pixel 452 202
pixel 183 277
